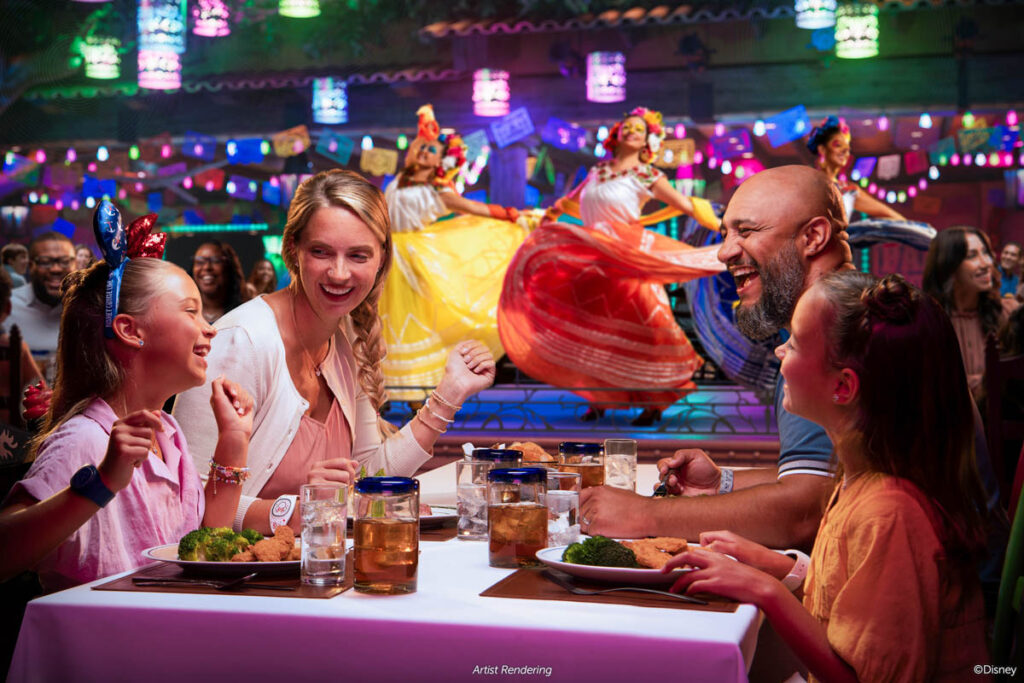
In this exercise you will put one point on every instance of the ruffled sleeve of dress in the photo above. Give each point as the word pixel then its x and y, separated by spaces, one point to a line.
pixel 414 206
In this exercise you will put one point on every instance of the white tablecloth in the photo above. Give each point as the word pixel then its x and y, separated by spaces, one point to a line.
pixel 443 632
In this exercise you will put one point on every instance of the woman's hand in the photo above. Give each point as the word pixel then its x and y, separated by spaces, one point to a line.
pixel 748 552
pixel 131 440
pixel 232 407
pixel 469 370
pixel 333 471
pixel 717 574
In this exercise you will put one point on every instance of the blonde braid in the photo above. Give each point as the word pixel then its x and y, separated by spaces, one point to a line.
pixel 369 349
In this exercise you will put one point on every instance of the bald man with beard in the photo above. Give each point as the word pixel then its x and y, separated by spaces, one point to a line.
pixel 784 228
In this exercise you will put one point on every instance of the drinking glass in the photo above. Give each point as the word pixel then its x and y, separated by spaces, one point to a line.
pixel 584 458
pixel 563 503
pixel 387 534
pixel 620 463
pixel 517 519
pixel 324 509
pixel 471 488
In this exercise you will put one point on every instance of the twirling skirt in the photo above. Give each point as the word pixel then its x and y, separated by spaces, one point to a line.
pixel 585 307
pixel 443 288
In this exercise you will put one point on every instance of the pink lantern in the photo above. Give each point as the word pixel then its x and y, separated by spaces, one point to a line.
pixel 923 184
pixel 491 92
pixel 165 151
pixel 1011 118
pixel 606 77
pixel 159 70
pixel 212 19
pixel 911 191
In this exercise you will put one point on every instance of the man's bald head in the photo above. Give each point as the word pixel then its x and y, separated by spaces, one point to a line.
pixel 789 193
pixel 784 228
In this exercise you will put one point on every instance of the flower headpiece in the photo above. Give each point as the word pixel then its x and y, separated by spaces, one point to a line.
pixel 427 128
pixel 120 246
pixel 454 157
pixel 655 132
pixel 826 129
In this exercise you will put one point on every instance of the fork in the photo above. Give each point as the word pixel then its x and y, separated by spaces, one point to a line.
pixel 634 589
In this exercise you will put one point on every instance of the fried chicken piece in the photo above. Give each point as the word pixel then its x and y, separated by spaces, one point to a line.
pixel 270 550
pixel 244 556
pixel 285 534
pixel 647 554
pixel 669 544
pixel 295 554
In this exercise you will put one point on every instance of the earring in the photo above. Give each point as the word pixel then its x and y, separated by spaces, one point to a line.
pixel 141 343
pixel 835 398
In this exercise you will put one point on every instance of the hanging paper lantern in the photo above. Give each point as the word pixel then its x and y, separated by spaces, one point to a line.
pixel 71 156
pixel 159 70
pixel 925 121
pixel 911 191
pixel 883 122
pixel 933 173
pixel 759 128
pixel 162 25
pixel 491 93
pixel 680 131
pixel 1011 118
pixel 101 57
pixel 857 31
pixel 815 14
pixel 212 18
pixel 40 156
pixel 299 9
pixel 606 77
pixel 330 100
pixel 102 154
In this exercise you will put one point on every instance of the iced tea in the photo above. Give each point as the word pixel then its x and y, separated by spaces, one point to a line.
pixel 591 473
pixel 516 531
pixel 386 555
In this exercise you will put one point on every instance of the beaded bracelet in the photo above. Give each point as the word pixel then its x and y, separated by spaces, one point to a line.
pixel 227 475
pixel 429 426
pixel 441 399
pixel 435 414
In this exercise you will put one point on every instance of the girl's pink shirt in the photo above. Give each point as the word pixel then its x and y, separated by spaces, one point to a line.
pixel 163 502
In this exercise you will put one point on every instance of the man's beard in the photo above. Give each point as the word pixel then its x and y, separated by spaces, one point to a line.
pixel 782 283
pixel 39 289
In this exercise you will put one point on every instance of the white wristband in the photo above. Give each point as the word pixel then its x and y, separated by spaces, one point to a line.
pixel 796 575
pixel 281 511
pixel 725 483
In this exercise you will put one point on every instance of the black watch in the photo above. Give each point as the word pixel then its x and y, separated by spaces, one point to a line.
pixel 87 482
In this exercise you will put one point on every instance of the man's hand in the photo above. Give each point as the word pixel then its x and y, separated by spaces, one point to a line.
pixel 612 512
pixel 690 472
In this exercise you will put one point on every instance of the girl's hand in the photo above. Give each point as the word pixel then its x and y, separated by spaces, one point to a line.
pixel 232 407
pixel 748 552
pixel 717 574
pixel 469 370
pixel 334 471
pixel 131 440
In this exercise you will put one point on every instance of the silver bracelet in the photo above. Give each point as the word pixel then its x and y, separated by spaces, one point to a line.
pixel 725 484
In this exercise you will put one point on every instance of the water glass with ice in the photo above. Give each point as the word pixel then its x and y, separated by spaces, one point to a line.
pixel 620 463
pixel 471 488
pixel 324 509
pixel 563 502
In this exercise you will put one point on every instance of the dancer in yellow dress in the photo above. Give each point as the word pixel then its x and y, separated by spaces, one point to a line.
pixel 447 274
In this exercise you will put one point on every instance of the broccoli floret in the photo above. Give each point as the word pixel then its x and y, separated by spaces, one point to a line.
pixel 220 549
pixel 189 545
pixel 600 551
pixel 222 532
pixel 252 535
pixel 577 553
pixel 614 555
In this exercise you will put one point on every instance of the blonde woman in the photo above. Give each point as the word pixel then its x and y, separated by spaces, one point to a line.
pixel 310 355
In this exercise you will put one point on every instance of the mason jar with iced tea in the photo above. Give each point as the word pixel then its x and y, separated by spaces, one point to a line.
pixel 517 517
pixel 386 534
pixel 584 458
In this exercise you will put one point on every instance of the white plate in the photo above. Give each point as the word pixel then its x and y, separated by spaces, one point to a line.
pixel 169 553
pixel 439 514
pixel 552 557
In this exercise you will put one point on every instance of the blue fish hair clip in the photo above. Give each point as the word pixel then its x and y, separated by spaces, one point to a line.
pixel 119 246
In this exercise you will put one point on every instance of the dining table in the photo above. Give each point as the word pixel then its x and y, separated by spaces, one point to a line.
pixel 444 631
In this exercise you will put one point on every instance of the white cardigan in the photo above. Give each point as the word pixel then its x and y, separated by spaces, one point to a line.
pixel 248 350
